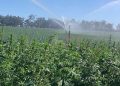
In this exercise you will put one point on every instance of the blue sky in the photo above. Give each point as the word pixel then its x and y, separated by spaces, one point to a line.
pixel 78 9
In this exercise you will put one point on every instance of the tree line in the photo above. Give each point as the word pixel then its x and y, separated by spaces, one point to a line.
pixel 42 22
pixel 97 25
pixel 31 21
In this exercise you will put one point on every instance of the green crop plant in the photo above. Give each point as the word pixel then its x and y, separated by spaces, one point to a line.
pixel 56 63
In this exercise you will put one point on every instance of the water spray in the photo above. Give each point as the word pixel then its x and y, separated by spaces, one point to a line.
pixel 41 6
pixel 106 6
pixel 44 8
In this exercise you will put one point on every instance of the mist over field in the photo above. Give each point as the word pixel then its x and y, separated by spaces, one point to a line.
pixel 59 43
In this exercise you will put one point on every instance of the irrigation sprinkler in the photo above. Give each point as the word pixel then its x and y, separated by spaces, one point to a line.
pixel 64 27
pixel 69 35
pixel 2 30
pixel 40 5
pixel 67 31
